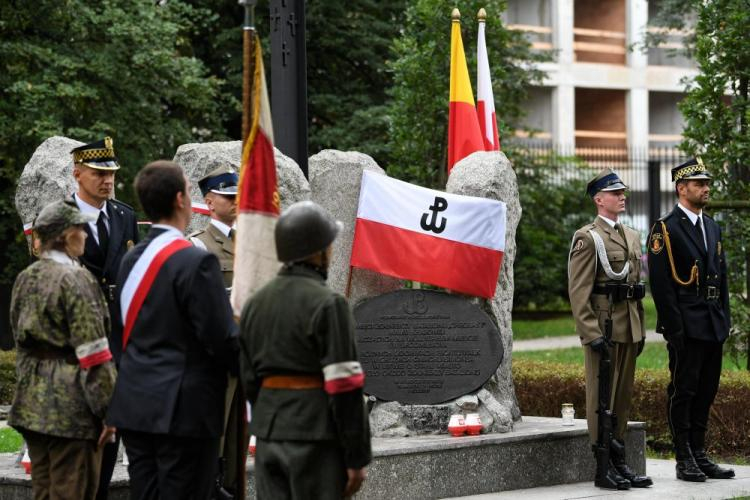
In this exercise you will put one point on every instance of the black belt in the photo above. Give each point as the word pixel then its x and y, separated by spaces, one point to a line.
pixel 621 291
pixel 709 292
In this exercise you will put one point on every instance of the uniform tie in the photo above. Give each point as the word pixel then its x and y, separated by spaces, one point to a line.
pixel 621 231
pixel 699 231
pixel 231 234
pixel 101 229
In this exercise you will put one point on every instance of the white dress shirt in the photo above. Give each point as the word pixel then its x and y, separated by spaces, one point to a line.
pixel 92 210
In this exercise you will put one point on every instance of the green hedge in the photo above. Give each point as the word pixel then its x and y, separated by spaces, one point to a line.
pixel 7 376
pixel 542 387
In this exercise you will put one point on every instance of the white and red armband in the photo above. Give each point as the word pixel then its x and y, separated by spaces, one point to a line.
pixel 93 353
pixel 343 377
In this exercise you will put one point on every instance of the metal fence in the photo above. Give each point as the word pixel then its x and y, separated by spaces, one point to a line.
pixel 647 173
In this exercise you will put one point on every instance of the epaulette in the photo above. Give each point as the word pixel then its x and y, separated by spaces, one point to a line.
pixel 707 216
pixel 121 204
pixel 196 233
pixel 664 217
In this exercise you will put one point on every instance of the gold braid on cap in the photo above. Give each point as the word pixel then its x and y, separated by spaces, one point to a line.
pixel 684 172
pixel 693 271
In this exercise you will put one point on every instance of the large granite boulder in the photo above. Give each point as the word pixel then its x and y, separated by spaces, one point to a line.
pixel 198 159
pixel 335 180
pixel 486 175
pixel 47 177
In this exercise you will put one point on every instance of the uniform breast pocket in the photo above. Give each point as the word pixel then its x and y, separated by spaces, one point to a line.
pixel 617 256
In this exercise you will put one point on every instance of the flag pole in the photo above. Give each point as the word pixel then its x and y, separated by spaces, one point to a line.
pixel 248 66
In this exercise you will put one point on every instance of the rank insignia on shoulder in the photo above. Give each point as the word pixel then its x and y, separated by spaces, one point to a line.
pixel 657 243
pixel 130 244
pixel 578 246
pixel 718 247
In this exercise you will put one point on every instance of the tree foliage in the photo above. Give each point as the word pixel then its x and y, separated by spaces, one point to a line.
pixel 421 72
pixel 88 69
pixel 717 113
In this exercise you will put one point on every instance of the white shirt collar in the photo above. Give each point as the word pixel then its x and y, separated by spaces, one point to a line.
pixel 168 228
pixel 691 215
pixel 221 227
pixel 59 257
pixel 90 209
pixel 608 221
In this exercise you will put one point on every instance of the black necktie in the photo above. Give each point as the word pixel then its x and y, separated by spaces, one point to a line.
pixel 231 234
pixel 699 231
pixel 101 229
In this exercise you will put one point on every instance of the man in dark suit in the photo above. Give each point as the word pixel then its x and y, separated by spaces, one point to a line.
pixel 112 233
pixel 179 342
pixel 688 274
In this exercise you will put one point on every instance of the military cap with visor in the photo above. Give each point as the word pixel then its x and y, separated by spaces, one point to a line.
pixel 691 170
pixel 99 155
pixel 58 216
pixel 304 229
pixel 222 180
pixel 606 180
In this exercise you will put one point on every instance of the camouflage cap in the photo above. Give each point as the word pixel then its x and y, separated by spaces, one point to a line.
pixel 58 216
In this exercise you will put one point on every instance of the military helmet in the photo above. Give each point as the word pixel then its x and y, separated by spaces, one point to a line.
pixel 58 216
pixel 303 229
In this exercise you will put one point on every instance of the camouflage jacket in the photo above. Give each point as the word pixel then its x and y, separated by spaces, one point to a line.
pixel 64 368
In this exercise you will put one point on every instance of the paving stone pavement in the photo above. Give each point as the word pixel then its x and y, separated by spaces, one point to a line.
pixel 566 341
pixel 666 486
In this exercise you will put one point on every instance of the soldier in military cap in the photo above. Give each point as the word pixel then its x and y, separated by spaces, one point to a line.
pixel 219 190
pixel 65 373
pixel 688 275
pixel 605 296
pixel 112 232
pixel 300 369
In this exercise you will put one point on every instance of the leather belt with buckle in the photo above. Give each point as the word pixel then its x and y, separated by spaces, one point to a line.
pixel 292 382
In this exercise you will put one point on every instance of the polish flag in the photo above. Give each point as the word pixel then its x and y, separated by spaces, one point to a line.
pixel 485 99
pixel 464 135
pixel 410 232
pixel 255 262
pixel 200 208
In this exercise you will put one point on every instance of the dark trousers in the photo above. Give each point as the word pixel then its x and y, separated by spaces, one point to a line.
pixel 63 468
pixel 286 470
pixel 169 467
pixel 109 459
pixel 695 372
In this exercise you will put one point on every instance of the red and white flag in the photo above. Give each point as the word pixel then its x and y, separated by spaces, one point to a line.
pixel 410 232
pixel 255 262
pixel 485 99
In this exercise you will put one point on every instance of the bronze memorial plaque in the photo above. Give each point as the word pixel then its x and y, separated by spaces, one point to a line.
pixel 424 346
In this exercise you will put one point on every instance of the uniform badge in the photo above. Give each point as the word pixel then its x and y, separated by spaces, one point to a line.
pixel 657 243
pixel 578 246
pixel 718 247
pixel 130 244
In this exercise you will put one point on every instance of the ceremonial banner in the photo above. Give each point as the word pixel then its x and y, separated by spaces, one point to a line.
pixel 485 99
pixel 464 135
pixel 200 208
pixel 257 199
pixel 410 232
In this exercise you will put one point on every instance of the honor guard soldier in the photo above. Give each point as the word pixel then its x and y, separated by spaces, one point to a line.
pixel 688 275
pixel 604 267
pixel 300 370
pixel 219 190
pixel 113 231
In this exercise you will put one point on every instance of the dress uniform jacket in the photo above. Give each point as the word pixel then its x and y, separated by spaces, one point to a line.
pixel 56 309
pixel 591 309
pixel 173 371
pixel 214 241
pixel 123 235
pixel 296 325
pixel 688 310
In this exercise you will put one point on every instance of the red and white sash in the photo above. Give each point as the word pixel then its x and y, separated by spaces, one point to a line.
pixel 141 277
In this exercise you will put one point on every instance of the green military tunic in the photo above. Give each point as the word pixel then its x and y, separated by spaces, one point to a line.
pixel 296 325
pixel 57 308
pixel 214 241
pixel 590 310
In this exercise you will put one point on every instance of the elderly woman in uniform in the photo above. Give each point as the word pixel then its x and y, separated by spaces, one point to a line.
pixel 65 373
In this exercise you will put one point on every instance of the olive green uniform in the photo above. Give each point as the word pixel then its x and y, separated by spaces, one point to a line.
pixel 214 241
pixel 307 437
pixel 591 309
pixel 59 405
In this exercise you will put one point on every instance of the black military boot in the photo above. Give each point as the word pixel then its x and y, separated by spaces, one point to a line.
pixel 687 469
pixel 617 452
pixel 706 465
pixel 607 477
